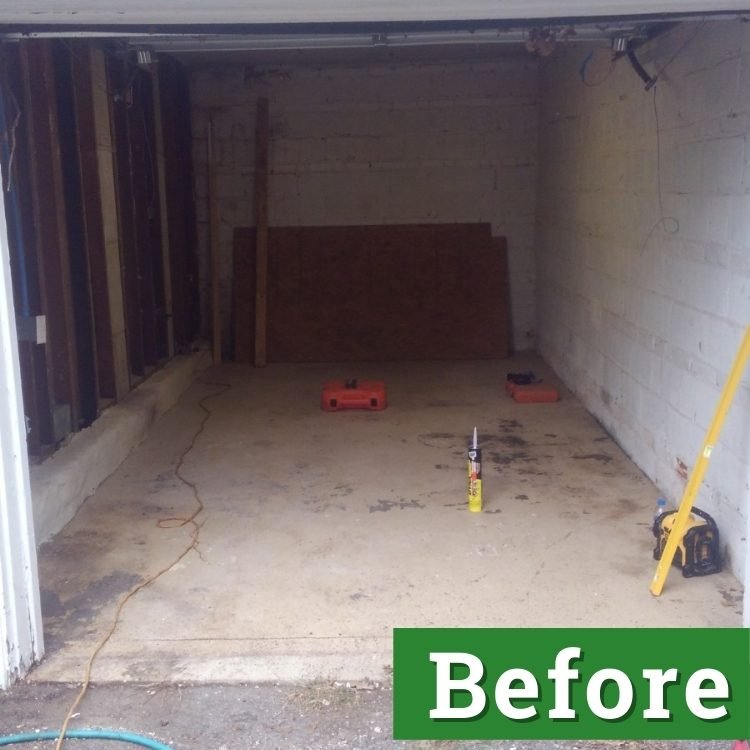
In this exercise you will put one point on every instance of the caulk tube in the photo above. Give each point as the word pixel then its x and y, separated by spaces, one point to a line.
pixel 475 476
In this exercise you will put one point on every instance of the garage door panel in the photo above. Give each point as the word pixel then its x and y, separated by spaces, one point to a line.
pixel 332 11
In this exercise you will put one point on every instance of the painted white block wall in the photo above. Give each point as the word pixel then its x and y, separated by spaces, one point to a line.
pixel 418 143
pixel 642 318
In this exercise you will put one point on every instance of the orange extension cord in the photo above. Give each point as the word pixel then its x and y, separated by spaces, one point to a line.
pixel 163 523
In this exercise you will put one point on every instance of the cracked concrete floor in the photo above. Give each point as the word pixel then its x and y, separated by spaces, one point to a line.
pixel 321 532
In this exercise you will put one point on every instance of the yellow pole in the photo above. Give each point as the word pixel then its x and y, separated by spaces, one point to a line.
pixel 701 464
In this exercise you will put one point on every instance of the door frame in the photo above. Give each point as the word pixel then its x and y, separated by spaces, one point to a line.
pixel 21 638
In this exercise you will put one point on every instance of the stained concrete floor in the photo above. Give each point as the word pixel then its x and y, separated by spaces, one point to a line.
pixel 322 532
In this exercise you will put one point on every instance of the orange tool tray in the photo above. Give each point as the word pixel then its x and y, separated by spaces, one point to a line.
pixel 353 394
pixel 534 393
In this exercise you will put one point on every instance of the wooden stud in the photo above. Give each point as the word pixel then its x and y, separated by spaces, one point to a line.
pixel 152 206
pixel 49 222
pixel 91 208
pixel 84 221
pixel 33 357
pixel 214 249
pixel 144 210
pixel 261 232
pixel 161 168
pixel 500 245
pixel 174 94
pixel 117 82
pixel 110 276
pixel 243 294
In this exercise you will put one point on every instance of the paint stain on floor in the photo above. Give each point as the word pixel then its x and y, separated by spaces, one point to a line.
pixel 384 506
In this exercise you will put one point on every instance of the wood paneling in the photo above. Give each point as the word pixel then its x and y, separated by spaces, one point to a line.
pixel 376 293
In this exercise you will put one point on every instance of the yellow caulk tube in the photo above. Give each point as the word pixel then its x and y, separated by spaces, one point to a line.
pixel 475 476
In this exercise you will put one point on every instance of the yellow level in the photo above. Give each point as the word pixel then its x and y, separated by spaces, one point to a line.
pixel 701 464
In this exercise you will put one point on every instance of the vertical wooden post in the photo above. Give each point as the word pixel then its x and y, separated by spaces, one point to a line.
pixel 111 277
pixel 147 241
pixel 35 372
pixel 97 344
pixel 178 214
pixel 161 167
pixel 213 217
pixel 261 231
pixel 51 237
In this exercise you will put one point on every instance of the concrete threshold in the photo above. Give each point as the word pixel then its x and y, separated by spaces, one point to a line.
pixel 226 660
pixel 61 484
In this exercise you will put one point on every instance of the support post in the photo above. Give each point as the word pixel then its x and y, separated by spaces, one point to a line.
pixel 161 166
pixel 51 236
pixel 112 277
pixel 261 231
pixel 214 247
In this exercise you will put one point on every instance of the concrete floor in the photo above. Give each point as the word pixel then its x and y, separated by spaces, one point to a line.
pixel 324 531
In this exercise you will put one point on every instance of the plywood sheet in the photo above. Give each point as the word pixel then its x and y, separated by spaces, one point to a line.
pixel 433 291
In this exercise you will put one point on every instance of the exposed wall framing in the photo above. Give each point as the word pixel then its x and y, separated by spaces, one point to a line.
pixel 49 239
pixel 174 95
pixel 140 229
pixel 86 166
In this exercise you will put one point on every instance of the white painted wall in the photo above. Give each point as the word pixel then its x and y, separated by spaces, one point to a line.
pixel 416 143
pixel 643 324
pixel 21 642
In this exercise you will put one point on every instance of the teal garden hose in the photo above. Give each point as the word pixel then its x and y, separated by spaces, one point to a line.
pixel 85 734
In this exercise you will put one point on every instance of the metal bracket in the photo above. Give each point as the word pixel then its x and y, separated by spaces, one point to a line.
pixel 33 329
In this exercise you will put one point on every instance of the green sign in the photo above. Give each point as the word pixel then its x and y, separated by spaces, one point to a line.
pixel 584 683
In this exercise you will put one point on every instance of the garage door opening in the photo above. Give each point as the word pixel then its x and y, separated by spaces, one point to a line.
pixel 433 207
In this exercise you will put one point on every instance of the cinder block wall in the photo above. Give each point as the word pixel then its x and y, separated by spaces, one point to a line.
pixel 386 144
pixel 642 317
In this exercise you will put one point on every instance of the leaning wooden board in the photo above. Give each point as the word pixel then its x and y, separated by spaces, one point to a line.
pixel 375 293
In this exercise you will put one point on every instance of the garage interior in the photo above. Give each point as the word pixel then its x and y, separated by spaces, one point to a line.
pixel 206 227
